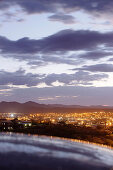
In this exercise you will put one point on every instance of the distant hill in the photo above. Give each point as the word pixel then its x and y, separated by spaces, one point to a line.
pixel 32 107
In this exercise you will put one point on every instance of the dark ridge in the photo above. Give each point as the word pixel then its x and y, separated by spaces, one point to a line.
pixel 33 107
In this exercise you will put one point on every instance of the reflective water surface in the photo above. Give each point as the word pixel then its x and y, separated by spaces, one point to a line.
pixel 49 153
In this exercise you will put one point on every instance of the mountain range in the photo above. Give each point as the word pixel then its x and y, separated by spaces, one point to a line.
pixel 32 107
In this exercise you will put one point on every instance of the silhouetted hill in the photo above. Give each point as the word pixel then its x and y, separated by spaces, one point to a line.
pixel 32 107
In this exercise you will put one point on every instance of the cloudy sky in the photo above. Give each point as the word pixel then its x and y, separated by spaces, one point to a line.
pixel 56 51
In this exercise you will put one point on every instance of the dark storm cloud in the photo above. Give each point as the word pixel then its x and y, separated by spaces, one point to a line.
pixel 39 6
pixel 56 48
pixel 21 46
pixel 66 19
pixel 21 78
pixel 95 55
pixel 54 7
pixel 70 40
pixel 98 68
pixel 63 41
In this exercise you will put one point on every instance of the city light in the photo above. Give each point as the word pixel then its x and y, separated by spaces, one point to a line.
pixel 12 115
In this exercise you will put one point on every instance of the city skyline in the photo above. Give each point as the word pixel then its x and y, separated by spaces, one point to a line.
pixel 56 52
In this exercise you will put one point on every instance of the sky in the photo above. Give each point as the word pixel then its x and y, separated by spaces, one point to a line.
pixel 56 51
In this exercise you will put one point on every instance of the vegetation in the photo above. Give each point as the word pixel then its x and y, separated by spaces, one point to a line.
pixel 96 135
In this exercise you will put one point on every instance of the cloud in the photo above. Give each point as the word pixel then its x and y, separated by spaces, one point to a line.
pixel 95 55
pixel 63 41
pixel 66 19
pixel 28 79
pixel 50 6
pixel 98 68
pixel 70 40
pixel 111 59
pixel 77 78
pixel 21 46
pixel 18 78
pixel 57 59
pixel 60 10
pixel 60 48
